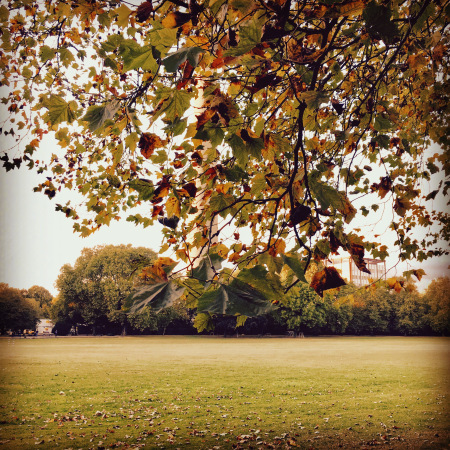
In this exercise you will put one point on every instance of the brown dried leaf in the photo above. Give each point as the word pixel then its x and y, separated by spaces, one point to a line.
pixel 148 142
pixel 328 278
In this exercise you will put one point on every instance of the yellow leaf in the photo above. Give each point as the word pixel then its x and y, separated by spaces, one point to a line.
pixel 173 207
pixel 222 250
pixel 123 14
pixel 224 188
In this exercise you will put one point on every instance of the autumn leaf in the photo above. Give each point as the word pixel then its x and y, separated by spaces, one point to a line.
pixel 328 278
pixel 143 11
pixel 148 142
pixel 300 214
pixel 59 110
pixel 159 295
pixel 96 116
pixel 173 207
pixel 175 19
pixel 401 206
pixel 357 253
pixel 395 284
pixel 383 187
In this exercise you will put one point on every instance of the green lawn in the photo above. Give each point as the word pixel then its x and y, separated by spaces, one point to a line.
pixel 207 392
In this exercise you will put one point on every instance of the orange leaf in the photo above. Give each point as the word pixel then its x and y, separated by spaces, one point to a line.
pixel 175 19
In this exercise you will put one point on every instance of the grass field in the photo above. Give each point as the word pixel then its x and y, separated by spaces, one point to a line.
pixel 207 392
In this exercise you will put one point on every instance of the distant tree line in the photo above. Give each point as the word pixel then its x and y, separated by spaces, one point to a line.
pixel 21 309
pixel 92 293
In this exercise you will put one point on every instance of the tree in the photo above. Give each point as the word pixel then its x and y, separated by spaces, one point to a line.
pixel 437 297
pixel 93 291
pixel 43 298
pixel 305 310
pixel 251 128
pixel 16 313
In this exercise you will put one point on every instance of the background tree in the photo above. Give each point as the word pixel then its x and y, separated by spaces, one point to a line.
pixel 309 114
pixel 43 298
pixel 437 297
pixel 95 288
pixel 16 313
pixel 305 310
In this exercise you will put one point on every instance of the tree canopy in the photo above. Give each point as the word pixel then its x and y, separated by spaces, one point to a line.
pixel 93 291
pixel 257 132
pixel 16 312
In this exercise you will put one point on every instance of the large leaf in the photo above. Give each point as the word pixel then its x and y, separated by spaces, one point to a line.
pixel 328 278
pixel 137 57
pixel 236 298
pixel 158 296
pixel 206 268
pixel 97 115
pixel 203 322
pixel 259 278
pixel 174 60
pixel 59 110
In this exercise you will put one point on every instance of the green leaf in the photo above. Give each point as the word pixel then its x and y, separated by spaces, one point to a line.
pixel 249 37
pixel 46 53
pixel 314 99
pixel 238 147
pixel 259 183
pixel 162 39
pixel 297 266
pixel 203 322
pixel 174 60
pixel 66 56
pixel 59 110
pixel 240 320
pixel 123 14
pixel 378 22
pixel 254 146
pixel 382 124
pixel 135 57
pixel 158 296
pixel 325 194
pixel 4 14
pixel 176 126
pixel 175 105
pixel 220 202
pixel 97 115
pixel 235 174
pixel 329 196
pixel 236 298
pixel 261 279
pixel 206 268
pixel 143 187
